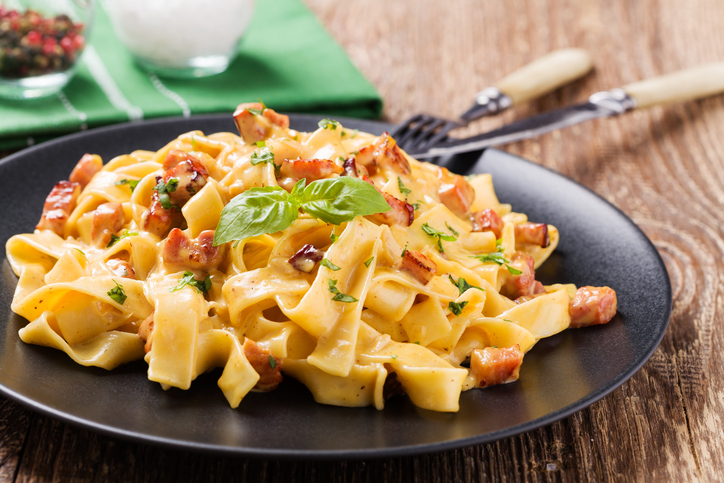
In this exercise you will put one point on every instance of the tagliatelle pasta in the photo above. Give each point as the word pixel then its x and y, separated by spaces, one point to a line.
pixel 331 257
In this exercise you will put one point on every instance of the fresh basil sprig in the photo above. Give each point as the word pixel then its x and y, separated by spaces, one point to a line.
pixel 270 209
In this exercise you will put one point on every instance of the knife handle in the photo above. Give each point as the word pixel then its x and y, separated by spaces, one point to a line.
pixel 685 85
pixel 545 74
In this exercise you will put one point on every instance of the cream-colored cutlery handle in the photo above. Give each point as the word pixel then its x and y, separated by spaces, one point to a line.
pixel 546 74
pixel 685 85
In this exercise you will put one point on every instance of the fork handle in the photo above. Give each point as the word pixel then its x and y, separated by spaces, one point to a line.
pixel 546 74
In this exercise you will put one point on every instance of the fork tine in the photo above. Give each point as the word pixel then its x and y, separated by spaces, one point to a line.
pixel 422 135
pixel 405 125
pixel 414 130
pixel 439 136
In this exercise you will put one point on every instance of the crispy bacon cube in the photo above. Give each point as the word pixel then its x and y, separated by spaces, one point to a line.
pixel 487 220
pixel 108 219
pixel 261 360
pixel 191 176
pixel 401 213
pixel 194 254
pixel 534 233
pixel 251 127
pixel 306 258
pixel 592 306
pixel 145 332
pixel 523 284
pixel 58 206
pixel 86 168
pixel 311 169
pixel 457 194
pixel 121 268
pixel 492 366
pixel 418 265
pixel 384 153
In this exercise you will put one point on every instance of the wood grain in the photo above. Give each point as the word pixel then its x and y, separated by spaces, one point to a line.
pixel 663 167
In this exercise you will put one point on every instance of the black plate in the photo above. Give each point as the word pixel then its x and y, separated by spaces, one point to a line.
pixel 562 374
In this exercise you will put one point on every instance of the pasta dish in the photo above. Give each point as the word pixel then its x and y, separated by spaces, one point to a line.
pixel 331 257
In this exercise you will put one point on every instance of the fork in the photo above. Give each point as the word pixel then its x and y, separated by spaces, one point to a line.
pixel 541 76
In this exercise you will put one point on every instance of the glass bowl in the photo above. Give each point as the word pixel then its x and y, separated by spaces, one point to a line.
pixel 41 42
pixel 181 38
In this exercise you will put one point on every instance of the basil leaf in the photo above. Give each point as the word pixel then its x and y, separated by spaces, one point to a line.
pixel 117 293
pixel 326 263
pixel 334 237
pixel 369 262
pixel 255 212
pixel 456 308
pixel 337 200
pixel 272 361
pixel 202 286
pixel 513 271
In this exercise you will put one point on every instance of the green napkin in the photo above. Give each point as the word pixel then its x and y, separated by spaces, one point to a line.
pixel 286 58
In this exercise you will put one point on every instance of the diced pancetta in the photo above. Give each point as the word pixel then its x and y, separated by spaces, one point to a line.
pixel 108 219
pixel 592 306
pixel 254 128
pixel 457 194
pixel 384 153
pixel 401 213
pixel 311 169
pixel 418 265
pixel 523 284
pixel 534 233
pixel 145 332
pixel 270 374
pixel 86 168
pixel 191 176
pixel 195 253
pixel 487 220
pixel 351 168
pixel 58 206
pixel 491 366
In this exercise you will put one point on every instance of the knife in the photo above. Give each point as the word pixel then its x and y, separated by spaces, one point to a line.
pixel 685 85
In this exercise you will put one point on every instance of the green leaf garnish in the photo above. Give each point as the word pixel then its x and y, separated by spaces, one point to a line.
pixel 163 190
pixel 405 191
pixel 513 271
pixel 393 356
pixel 115 239
pixel 132 183
pixel 326 263
pixel 264 155
pixel 202 286
pixel 261 144
pixel 452 230
pixel 270 209
pixel 81 251
pixel 415 206
pixel 334 237
pixel 369 262
pixel 338 296
pixel 328 124
pixel 117 293
pixel 272 361
pixel 258 112
pixel 440 235
pixel 456 308
pixel 463 285
pixel 404 250
pixel 498 258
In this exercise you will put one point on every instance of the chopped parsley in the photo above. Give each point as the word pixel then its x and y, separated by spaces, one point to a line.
pixel 403 252
pixel 261 144
pixel 452 230
pixel 258 112
pixel 81 251
pixel 498 258
pixel 163 190
pixel 416 206
pixel 393 356
pixel 456 308
pixel 440 235
pixel 202 286
pixel 326 263
pixel 272 361
pixel 338 296
pixel 417 342
pixel 117 293
pixel 328 124
pixel 369 262
pixel 115 238
pixel 264 155
pixel 132 183
pixel 463 285
pixel 404 190
pixel 334 237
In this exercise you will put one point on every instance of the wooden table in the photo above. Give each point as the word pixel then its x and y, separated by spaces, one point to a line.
pixel 663 167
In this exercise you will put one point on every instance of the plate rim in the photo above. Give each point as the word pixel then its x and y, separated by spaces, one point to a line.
pixel 333 455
